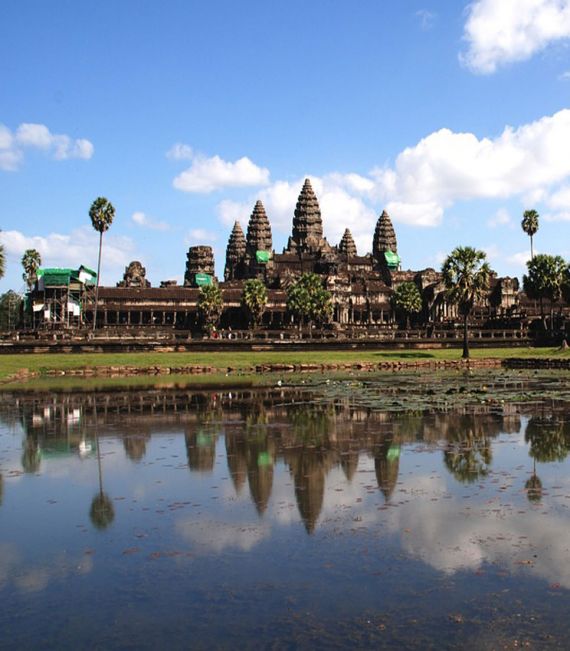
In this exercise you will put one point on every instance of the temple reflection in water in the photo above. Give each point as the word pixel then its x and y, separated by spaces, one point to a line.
pixel 258 429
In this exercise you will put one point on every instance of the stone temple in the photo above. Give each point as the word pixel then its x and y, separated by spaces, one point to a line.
pixel 361 283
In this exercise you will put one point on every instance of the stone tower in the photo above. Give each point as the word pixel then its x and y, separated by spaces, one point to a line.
pixel 258 232
pixel 384 237
pixel 199 260
pixel 235 254
pixel 307 236
pixel 347 246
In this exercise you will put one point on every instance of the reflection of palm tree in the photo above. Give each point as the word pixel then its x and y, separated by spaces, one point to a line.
pixel 549 439
pixel 102 512
pixel 533 486
pixel 468 460
pixel 31 457
pixel 468 454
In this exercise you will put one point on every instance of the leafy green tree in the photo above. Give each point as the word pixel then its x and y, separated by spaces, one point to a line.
pixel 102 213
pixel 546 278
pixel 10 305
pixel 407 300
pixel 309 301
pixel 466 276
pixel 210 306
pixel 529 225
pixel 254 298
pixel 31 261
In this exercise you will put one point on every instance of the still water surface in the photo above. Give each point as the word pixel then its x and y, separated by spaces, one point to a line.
pixel 281 518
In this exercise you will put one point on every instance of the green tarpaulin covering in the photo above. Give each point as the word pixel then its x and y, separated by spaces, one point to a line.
pixel 262 257
pixel 392 259
pixel 203 280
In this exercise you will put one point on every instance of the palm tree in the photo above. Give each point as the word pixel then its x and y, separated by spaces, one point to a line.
pixel 546 278
pixel 309 301
pixel 529 225
pixel 2 261
pixel 101 213
pixel 407 300
pixel 254 298
pixel 31 261
pixel 466 276
pixel 210 306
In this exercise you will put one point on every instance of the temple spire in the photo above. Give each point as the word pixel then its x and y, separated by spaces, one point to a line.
pixel 307 223
pixel 347 246
pixel 384 237
pixel 235 252
pixel 258 231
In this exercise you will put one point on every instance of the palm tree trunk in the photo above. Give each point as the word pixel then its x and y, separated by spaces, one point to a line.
pixel 97 285
pixel 465 338
pixel 531 250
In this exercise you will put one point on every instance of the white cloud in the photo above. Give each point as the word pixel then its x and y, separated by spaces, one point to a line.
pixel 208 174
pixel 141 219
pixel 445 167
pixel 565 76
pixel 506 31
pixel 520 259
pixel 426 19
pixel 79 247
pixel 180 151
pixel 500 218
pixel 38 136
pixel 201 235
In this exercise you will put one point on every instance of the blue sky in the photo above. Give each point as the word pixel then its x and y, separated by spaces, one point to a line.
pixel 455 117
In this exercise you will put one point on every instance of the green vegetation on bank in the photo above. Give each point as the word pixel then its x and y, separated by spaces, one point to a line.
pixel 245 361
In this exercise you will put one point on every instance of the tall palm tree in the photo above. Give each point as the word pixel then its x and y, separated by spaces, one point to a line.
pixel 31 261
pixel 101 213
pixel 407 300
pixel 2 261
pixel 466 276
pixel 529 225
pixel 254 298
pixel 210 306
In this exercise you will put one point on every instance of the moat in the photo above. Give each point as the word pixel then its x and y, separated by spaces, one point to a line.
pixel 378 511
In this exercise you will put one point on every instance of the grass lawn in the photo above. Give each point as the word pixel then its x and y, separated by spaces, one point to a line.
pixel 10 364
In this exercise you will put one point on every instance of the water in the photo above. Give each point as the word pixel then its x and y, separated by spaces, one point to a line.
pixel 282 518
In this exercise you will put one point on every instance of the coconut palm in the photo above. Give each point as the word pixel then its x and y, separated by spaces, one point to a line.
pixel 407 300
pixel 254 298
pixel 210 306
pixel 309 301
pixel 546 279
pixel 529 225
pixel 102 213
pixel 31 261
pixel 466 276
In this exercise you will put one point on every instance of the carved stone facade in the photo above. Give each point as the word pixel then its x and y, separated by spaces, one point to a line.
pixel 134 276
pixel 199 260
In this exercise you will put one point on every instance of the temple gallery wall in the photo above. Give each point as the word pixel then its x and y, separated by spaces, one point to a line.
pixel 361 284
